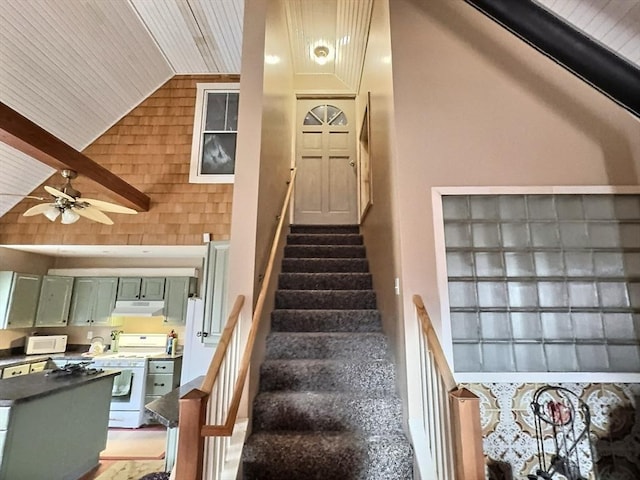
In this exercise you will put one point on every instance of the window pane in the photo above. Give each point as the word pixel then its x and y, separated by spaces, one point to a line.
pixel 216 108
pixel 339 119
pixel 218 153
pixel 311 119
pixel 232 112
pixel 320 112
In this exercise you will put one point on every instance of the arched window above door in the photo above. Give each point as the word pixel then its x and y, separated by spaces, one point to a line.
pixel 325 115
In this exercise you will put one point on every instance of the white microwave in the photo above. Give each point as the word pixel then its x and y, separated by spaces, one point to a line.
pixel 45 344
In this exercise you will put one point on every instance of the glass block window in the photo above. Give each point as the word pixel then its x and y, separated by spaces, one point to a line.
pixel 544 283
pixel 213 152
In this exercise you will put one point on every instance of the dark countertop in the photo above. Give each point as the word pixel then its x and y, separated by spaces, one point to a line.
pixel 166 408
pixel 35 385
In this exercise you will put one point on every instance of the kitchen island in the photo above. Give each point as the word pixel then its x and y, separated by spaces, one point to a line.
pixel 53 426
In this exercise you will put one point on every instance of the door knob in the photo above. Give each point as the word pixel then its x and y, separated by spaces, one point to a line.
pixel 352 163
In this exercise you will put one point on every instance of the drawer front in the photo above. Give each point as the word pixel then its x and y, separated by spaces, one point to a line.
pixel 159 384
pixel 4 417
pixel 161 366
pixel 15 371
pixel 38 366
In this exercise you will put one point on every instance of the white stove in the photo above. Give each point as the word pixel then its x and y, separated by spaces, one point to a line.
pixel 128 394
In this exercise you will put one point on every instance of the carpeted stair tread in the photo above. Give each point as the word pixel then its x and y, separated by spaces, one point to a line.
pixel 325 229
pixel 327 375
pixel 317 265
pixel 324 239
pixel 326 456
pixel 324 251
pixel 325 281
pixel 326 320
pixel 328 411
pixel 355 346
pixel 331 299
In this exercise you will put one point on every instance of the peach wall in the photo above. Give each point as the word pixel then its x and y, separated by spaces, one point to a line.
pixel 150 148
pixel 475 106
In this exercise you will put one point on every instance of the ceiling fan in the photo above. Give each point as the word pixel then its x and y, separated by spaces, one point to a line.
pixel 70 206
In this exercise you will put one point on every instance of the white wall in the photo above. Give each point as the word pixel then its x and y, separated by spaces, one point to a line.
pixel 476 106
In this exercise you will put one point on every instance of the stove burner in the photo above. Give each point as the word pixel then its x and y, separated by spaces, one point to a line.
pixel 74 370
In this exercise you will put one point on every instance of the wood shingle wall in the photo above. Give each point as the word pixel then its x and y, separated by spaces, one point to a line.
pixel 150 148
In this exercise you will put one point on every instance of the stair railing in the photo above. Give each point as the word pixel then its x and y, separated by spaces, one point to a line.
pixel 451 415
pixel 223 384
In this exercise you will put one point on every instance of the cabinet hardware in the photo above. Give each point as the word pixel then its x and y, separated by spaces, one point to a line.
pixel 158 384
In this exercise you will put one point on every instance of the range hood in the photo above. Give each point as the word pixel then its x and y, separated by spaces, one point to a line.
pixel 138 308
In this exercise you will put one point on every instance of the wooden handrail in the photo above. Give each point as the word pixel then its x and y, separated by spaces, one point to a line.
pixel 227 428
pixel 434 344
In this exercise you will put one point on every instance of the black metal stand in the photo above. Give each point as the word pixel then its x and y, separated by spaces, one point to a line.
pixel 560 411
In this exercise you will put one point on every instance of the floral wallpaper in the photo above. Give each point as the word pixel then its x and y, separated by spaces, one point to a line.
pixel 509 434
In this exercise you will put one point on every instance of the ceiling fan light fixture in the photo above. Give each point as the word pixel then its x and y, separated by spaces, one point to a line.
pixel 51 213
pixel 69 216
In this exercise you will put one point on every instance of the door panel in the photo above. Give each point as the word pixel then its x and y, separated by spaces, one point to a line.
pixel 326 188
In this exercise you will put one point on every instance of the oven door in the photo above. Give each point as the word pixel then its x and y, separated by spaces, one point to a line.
pixel 128 388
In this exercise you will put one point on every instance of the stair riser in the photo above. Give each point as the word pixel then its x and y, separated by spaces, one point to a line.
pixel 325 281
pixel 321 299
pixel 317 412
pixel 324 251
pixel 325 229
pixel 328 239
pixel 328 265
pixel 326 321
pixel 300 375
pixel 352 346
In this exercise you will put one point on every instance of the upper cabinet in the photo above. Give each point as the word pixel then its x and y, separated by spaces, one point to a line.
pixel 177 291
pixel 54 302
pixel 19 294
pixel 93 300
pixel 141 288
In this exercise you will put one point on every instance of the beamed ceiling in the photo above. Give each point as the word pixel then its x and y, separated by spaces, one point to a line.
pixel 74 68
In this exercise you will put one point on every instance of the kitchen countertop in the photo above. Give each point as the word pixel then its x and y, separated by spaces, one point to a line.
pixel 35 385
pixel 21 359
pixel 166 408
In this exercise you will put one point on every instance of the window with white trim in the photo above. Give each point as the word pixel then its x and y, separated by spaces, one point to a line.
pixel 215 129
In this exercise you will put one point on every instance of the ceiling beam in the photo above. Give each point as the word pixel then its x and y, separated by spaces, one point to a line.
pixel 22 134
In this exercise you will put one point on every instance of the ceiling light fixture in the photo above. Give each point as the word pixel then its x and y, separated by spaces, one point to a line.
pixel 321 54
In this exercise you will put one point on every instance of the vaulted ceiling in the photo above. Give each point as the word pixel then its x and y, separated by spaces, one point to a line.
pixel 77 67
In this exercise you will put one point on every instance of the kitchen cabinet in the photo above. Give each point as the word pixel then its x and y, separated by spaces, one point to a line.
pixel 93 300
pixel 176 293
pixel 163 376
pixel 15 371
pixel 54 301
pixel 19 294
pixel 215 292
pixel 37 366
pixel 141 288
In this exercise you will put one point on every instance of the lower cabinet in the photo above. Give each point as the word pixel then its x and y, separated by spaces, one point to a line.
pixel 162 377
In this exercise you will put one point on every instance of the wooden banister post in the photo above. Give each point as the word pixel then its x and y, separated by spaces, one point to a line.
pixel 192 416
pixel 467 435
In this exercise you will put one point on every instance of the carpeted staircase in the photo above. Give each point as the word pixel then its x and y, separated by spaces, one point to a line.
pixel 327 407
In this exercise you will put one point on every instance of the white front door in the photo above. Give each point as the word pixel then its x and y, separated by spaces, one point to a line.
pixel 326 187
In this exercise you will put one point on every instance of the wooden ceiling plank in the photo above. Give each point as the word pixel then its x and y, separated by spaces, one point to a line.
pixel 22 134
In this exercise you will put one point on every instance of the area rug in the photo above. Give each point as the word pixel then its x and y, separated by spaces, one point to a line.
pixel 132 470
pixel 142 443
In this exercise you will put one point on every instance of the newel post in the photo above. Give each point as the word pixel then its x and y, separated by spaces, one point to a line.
pixel 191 418
pixel 467 435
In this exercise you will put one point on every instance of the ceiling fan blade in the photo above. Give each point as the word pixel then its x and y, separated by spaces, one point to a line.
pixel 107 206
pixel 37 209
pixel 93 214
pixel 22 196
pixel 57 193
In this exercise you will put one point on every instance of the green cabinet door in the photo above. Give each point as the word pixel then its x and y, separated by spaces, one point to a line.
pixel 19 294
pixel 93 300
pixel 177 291
pixel 215 292
pixel 152 288
pixel 105 300
pixel 54 302
pixel 129 288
